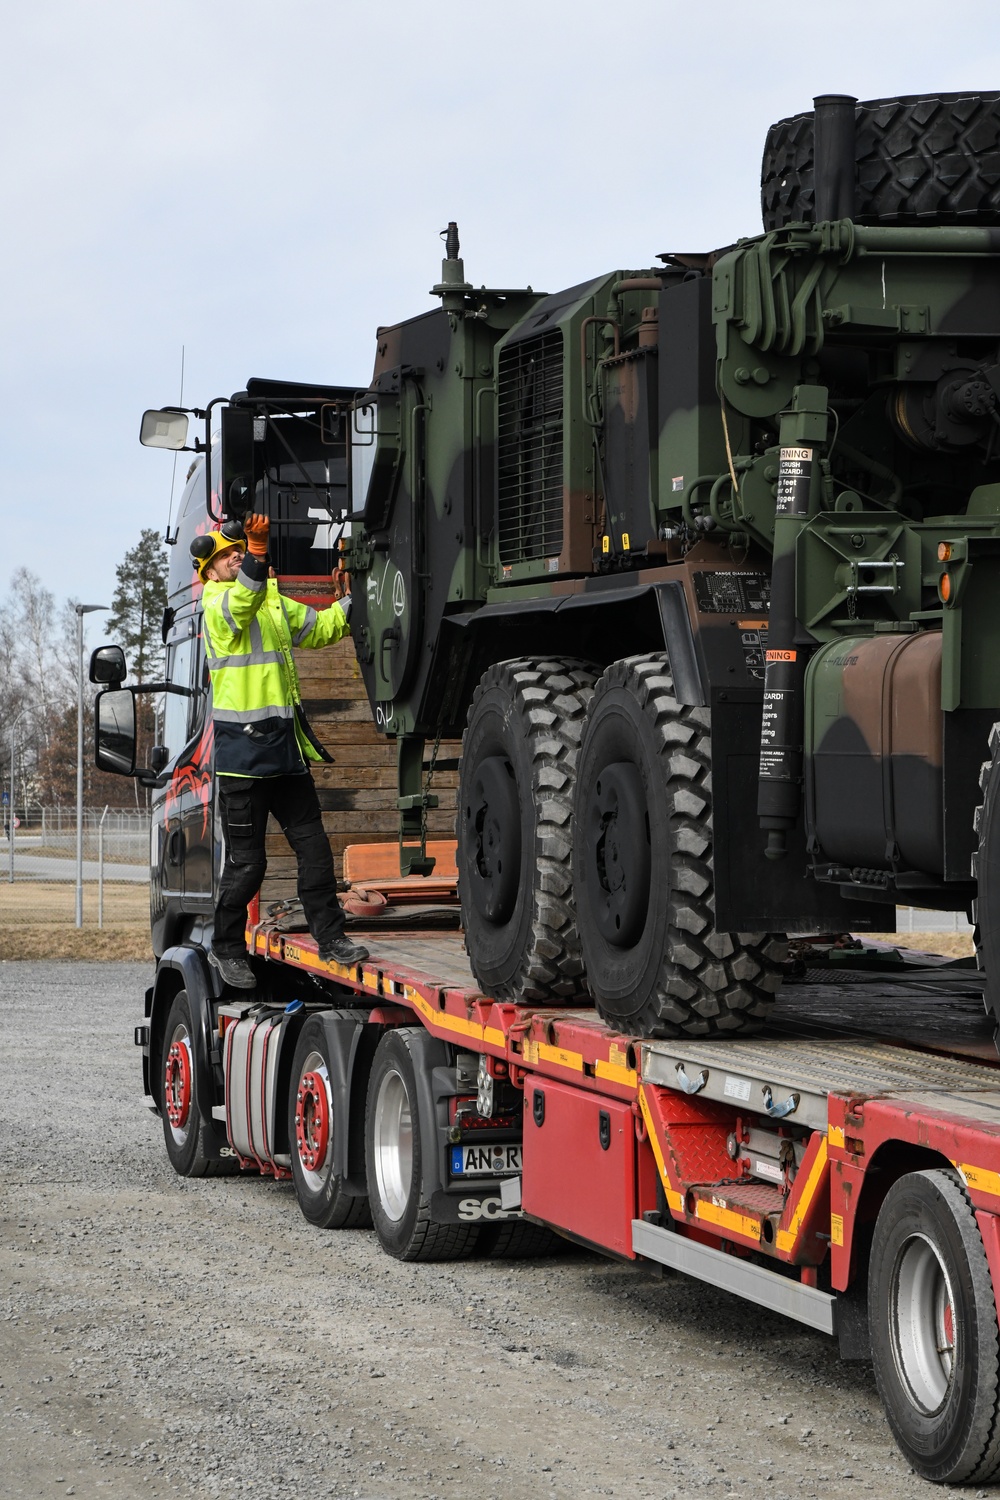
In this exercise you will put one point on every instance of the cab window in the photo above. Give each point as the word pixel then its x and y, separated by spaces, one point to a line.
pixel 180 714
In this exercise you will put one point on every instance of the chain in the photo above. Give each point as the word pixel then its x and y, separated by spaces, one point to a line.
pixel 427 787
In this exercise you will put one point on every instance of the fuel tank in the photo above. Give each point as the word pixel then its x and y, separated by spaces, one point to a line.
pixel 874 752
pixel 252 1054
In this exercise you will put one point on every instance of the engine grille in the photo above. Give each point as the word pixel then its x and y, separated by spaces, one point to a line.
pixel 530 449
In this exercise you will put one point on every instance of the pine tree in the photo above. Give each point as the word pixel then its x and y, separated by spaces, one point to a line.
pixel 135 623
pixel 137 607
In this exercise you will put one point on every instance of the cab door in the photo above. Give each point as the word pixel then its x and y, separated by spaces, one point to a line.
pixel 187 853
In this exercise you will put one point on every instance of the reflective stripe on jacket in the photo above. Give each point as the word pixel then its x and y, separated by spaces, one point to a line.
pixel 250 630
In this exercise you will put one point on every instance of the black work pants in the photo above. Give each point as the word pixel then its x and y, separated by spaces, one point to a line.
pixel 244 803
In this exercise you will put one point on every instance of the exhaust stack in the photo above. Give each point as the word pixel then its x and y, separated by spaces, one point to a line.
pixel 834 163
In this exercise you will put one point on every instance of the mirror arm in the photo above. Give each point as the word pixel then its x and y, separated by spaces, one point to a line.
pixel 187 411
pixel 206 448
pixel 149 778
pixel 165 687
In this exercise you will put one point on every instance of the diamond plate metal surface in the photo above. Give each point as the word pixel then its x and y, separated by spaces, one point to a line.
pixel 751 1197
pixel 749 1071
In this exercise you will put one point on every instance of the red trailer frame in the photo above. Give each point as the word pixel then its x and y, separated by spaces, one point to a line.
pixel 866 1099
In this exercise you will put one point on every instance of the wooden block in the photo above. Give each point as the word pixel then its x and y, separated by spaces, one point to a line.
pixel 381 861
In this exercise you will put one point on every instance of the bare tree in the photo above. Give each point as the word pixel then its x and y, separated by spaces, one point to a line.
pixel 39 666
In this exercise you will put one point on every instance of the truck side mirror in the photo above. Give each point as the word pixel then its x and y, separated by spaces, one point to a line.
pixel 163 429
pixel 107 664
pixel 114 732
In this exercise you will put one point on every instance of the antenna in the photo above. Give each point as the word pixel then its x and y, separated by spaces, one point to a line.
pixel 170 540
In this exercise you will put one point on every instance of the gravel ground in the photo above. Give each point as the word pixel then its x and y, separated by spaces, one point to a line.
pixel 163 1337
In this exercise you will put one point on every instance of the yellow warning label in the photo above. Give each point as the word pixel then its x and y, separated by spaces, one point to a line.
pixel 605 544
pixel 837 1229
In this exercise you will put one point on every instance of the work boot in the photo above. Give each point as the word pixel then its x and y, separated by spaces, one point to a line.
pixel 340 950
pixel 235 971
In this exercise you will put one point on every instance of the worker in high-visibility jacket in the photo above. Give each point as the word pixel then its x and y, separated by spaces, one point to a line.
pixel 263 743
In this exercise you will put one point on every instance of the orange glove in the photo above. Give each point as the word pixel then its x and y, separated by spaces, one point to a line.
pixel 257 528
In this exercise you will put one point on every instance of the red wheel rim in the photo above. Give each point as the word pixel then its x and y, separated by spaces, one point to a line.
pixel 312 1121
pixel 177 1085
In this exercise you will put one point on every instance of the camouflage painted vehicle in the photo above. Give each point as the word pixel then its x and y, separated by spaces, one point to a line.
pixel 702 559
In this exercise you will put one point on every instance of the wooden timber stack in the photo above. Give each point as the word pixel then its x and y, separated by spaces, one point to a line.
pixel 357 793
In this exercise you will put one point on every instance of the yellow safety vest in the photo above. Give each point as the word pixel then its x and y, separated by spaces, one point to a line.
pixel 250 629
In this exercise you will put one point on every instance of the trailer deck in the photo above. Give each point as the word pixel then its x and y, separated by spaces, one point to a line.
pixel 850 1062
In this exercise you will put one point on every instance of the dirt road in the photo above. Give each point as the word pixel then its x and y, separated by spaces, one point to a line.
pixel 162 1337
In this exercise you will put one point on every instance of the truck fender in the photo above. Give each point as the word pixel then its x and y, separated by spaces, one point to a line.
pixel 142 1039
pixel 433 1067
pixel 351 1052
pixel 185 968
pixel 599 627
pixel 678 638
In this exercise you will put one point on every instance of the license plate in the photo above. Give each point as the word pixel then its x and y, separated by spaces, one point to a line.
pixel 485 1161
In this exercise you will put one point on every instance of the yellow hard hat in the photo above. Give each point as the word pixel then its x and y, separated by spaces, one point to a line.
pixel 204 548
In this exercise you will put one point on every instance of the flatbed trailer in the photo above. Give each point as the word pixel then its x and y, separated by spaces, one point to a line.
pixel 842 1169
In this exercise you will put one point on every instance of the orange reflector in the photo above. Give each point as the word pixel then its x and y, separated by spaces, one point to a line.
pixel 944 587
pixel 944 551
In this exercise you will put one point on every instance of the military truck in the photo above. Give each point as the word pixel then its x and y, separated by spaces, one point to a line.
pixel 699 560
pixel 702 560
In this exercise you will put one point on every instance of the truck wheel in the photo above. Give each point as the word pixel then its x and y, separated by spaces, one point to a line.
pixel 394 1158
pixel 188 1137
pixel 515 815
pixel 922 159
pixel 986 873
pixel 934 1330
pixel 642 860
pixel 312 1126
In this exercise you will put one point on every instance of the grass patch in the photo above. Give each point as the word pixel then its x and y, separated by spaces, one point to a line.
pixel 38 920
pixel 947 944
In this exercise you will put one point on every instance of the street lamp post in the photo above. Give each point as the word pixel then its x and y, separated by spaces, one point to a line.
pixel 81 610
pixel 13 797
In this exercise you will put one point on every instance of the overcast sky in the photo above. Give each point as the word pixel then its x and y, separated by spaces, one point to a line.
pixel 263 182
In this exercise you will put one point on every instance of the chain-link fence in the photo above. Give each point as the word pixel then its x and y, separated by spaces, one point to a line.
pixel 38 868
pixel 916 919
pixel 38 874
pixel 115 844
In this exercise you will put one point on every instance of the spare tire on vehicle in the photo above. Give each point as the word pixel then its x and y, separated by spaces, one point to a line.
pixel 921 159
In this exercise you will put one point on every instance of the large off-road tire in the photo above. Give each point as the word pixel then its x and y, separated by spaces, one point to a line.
pixel 656 966
pixel 187 1133
pixel 313 1125
pixel 395 1154
pixel 934 1336
pixel 921 159
pixel 515 815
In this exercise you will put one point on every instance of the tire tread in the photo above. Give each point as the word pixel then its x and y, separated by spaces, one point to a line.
pixel 921 159
pixel 978 1461
pixel 710 983
pixel 551 695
